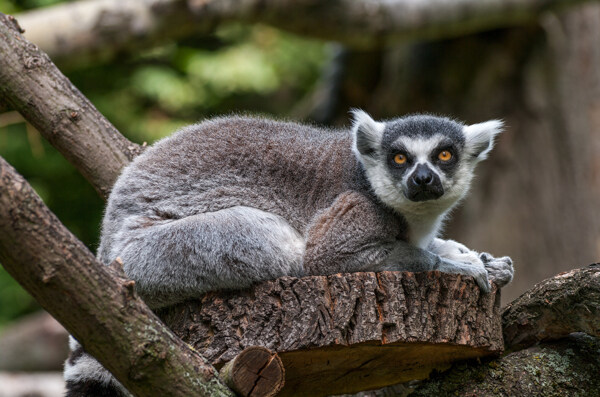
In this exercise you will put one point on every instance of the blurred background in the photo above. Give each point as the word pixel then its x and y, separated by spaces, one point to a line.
pixel 536 199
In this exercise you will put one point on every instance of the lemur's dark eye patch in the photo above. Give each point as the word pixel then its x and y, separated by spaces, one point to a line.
pixel 446 147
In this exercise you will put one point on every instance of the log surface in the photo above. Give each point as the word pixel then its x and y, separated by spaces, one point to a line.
pixel 347 332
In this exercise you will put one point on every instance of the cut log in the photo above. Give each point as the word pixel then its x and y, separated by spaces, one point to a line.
pixel 255 372
pixel 347 332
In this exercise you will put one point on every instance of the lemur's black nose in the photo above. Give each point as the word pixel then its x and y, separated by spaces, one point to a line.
pixel 422 175
pixel 424 184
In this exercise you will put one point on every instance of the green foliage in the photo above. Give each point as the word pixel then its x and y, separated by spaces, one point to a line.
pixel 239 69
pixel 13 6
pixel 14 300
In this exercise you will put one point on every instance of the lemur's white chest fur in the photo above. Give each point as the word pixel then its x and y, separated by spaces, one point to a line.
pixel 423 226
pixel 422 230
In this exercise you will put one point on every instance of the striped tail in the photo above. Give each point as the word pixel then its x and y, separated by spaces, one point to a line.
pixel 86 377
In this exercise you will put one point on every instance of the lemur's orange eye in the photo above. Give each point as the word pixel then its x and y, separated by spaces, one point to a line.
pixel 399 158
pixel 445 155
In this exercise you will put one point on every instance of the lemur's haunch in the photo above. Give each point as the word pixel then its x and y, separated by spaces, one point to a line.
pixel 233 201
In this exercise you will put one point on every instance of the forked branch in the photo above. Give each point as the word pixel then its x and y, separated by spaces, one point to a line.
pixel 31 84
pixel 95 303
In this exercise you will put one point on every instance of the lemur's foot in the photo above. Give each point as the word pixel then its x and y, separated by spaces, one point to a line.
pixel 500 270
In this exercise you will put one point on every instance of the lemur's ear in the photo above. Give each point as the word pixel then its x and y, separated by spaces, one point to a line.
pixel 367 133
pixel 479 138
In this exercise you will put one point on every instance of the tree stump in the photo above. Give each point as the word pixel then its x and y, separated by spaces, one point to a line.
pixel 345 333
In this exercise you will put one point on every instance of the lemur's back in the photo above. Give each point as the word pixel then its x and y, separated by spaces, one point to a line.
pixel 287 169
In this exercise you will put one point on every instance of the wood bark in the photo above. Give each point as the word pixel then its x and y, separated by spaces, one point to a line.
pixel 31 84
pixel 98 306
pixel 564 313
pixel 94 30
pixel 554 308
pixel 346 332
pixel 567 367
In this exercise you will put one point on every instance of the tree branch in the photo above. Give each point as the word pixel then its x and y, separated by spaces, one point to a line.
pixel 554 308
pixel 92 30
pixel 31 84
pixel 94 303
pixel 567 367
pixel 368 23
pixel 86 32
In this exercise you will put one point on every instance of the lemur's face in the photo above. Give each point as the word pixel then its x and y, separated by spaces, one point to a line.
pixel 421 163
pixel 422 155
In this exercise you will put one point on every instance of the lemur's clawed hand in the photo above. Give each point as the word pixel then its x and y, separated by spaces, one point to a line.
pixel 500 270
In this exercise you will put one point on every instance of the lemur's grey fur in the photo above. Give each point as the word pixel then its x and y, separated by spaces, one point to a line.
pixel 233 201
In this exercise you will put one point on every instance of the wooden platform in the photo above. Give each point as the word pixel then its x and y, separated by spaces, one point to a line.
pixel 347 332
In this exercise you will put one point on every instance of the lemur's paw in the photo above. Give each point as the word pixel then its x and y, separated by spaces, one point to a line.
pixel 469 258
pixel 481 278
pixel 476 270
pixel 500 270
pixel 448 248
pixel 457 252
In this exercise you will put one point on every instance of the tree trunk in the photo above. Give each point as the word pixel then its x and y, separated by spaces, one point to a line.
pixel 347 332
pixel 255 372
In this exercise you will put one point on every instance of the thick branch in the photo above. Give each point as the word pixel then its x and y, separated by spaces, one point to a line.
pixel 85 32
pixel 31 84
pixel 100 29
pixel 99 308
pixel 554 308
pixel 567 367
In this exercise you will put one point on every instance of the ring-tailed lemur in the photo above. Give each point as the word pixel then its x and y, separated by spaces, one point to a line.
pixel 233 201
